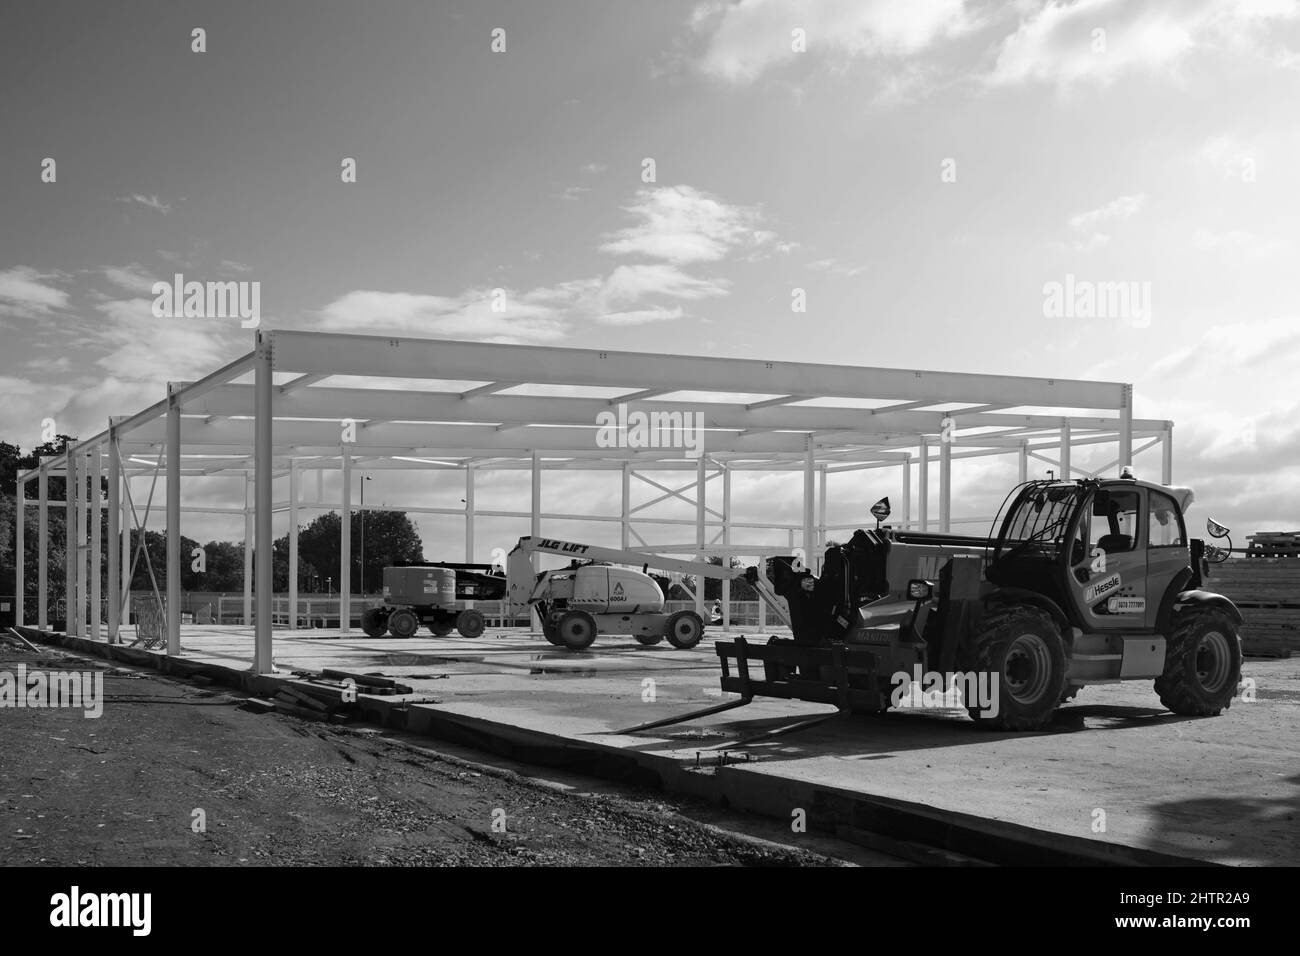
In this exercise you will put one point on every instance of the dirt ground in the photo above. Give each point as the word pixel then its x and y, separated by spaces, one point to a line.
pixel 123 789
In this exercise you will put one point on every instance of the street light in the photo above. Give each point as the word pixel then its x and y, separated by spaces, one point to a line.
pixel 364 479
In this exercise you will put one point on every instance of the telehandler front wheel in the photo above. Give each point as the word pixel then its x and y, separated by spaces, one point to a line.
pixel 576 630
pixel 1202 664
pixel 440 629
pixel 685 629
pixel 649 640
pixel 1020 661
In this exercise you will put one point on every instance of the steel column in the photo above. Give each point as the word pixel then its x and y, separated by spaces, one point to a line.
pixel 114 534
pixel 294 492
pixel 173 521
pixel 96 541
pixel 1066 448
pixel 923 486
pixel 345 547
pixel 907 492
pixel 536 524
pixel 945 486
pixel 1167 455
pixel 1126 426
pixel 265 544
pixel 250 533
pixel 42 547
pixel 469 514
pixel 70 544
pixel 700 481
pixel 19 553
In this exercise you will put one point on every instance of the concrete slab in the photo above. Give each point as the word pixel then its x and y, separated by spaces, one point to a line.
pixel 1114 775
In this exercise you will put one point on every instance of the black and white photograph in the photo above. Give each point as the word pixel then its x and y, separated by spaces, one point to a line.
pixel 793 436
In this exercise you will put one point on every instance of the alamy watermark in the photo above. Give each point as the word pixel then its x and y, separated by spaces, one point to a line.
pixel 83 690
pixel 1085 299
pixel 640 429
pixel 933 690
pixel 209 300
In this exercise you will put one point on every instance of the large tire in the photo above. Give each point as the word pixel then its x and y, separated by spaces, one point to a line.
pixel 441 628
pixel 576 630
pixel 470 623
pixel 403 623
pixel 374 621
pixel 685 629
pixel 1202 664
pixel 649 640
pixel 552 635
pixel 1021 648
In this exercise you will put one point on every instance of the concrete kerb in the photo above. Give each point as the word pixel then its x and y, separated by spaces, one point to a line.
pixel 860 818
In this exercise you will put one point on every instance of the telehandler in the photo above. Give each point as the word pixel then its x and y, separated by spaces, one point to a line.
pixel 1081 582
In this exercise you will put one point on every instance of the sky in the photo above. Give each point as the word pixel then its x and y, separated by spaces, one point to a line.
pixel 922 170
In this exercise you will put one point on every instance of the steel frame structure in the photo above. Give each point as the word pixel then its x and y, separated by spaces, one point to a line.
pixel 286 409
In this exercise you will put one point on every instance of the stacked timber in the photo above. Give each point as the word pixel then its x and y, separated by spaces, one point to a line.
pixel 1267 590
pixel 1273 544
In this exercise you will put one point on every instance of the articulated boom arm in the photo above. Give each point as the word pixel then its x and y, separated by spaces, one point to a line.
pixel 630 557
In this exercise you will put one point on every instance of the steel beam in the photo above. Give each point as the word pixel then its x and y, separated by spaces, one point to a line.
pixel 367 355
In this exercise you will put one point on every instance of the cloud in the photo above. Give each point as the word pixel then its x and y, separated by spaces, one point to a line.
pixel 231 265
pixel 573 192
pixel 641 316
pixel 1121 208
pixel 468 316
pixel 745 39
pixel 1241 241
pixel 594 169
pixel 681 224
pixel 675 226
pixel 1099 40
pixel 144 348
pixel 132 278
pixel 25 294
pixel 836 267
pixel 153 202
pixel 629 283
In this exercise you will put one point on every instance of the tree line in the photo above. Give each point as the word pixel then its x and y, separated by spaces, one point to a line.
pixel 390 538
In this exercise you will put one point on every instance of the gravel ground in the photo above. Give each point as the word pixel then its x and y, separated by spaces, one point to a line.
pixel 275 790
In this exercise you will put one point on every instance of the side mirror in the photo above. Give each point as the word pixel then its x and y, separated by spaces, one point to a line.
pixel 1214 529
pixel 920 590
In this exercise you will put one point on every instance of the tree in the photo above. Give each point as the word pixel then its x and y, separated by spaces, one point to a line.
pixel 390 538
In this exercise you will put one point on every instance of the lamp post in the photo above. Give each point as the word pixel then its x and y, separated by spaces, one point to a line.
pixel 364 479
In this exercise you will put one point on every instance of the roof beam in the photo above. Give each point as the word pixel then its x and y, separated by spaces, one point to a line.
pixel 372 355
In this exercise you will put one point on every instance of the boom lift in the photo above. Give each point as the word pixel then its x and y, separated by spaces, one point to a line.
pixel 598 594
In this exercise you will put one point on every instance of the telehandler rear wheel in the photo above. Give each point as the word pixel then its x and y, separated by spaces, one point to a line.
pixel 550 632
pixel 649 640
pixel 1202 664
pixel 576 630
pixel 1021 650
pixel 684 630
pixel 441 630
